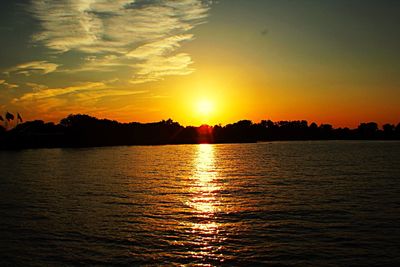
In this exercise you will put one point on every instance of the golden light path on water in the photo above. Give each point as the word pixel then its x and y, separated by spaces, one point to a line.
pixel 205 203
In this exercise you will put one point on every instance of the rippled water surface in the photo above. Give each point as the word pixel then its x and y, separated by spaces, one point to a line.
pixel 274 204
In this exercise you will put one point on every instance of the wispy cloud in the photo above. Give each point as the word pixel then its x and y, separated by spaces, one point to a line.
pixel 8 85
pixel 156 67
pixel 33 67
pixel 90 91
pixel 41 92
pixel 36 87
pixel 56 102
pixel 159 48
pixel 130 33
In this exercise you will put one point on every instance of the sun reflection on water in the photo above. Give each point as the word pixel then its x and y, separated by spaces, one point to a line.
pixel 204 187
pixel 205 205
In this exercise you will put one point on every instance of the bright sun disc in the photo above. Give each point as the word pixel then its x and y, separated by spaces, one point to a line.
pixel 205 107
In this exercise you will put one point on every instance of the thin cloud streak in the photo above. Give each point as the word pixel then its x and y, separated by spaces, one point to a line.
pixel 155 68
pixel 55 92
pixel 33 67
pixel 8 85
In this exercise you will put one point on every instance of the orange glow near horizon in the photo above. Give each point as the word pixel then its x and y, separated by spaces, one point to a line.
pixel 219 100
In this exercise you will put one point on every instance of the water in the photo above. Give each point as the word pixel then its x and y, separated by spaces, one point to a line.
pixel 274 204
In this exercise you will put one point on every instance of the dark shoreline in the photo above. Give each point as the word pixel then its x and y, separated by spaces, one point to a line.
pixel 80 131
pixel 15 148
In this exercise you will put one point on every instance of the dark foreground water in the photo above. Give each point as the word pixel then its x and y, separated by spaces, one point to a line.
pixel 274 204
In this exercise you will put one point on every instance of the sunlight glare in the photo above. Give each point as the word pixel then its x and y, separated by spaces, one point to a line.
pixel 205 107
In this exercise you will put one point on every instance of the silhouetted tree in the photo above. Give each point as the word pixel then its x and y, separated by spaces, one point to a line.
pixel 397 131
pixel 343 134
pixel 388 131
pixel 313 131
pixel 326 131
pixel 368 130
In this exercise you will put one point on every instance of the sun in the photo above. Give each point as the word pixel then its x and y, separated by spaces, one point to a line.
pixel 205 107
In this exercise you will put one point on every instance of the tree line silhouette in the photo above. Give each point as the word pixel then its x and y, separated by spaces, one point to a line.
pixel 86 131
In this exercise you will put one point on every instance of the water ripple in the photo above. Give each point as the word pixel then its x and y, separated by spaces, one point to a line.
pixel 274 204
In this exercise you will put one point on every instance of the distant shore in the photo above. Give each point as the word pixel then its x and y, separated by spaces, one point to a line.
pixel 86 131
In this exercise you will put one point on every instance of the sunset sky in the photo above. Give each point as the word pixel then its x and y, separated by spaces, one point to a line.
pixel 201 62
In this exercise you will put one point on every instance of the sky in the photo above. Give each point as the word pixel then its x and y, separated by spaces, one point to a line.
pixel 197 61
